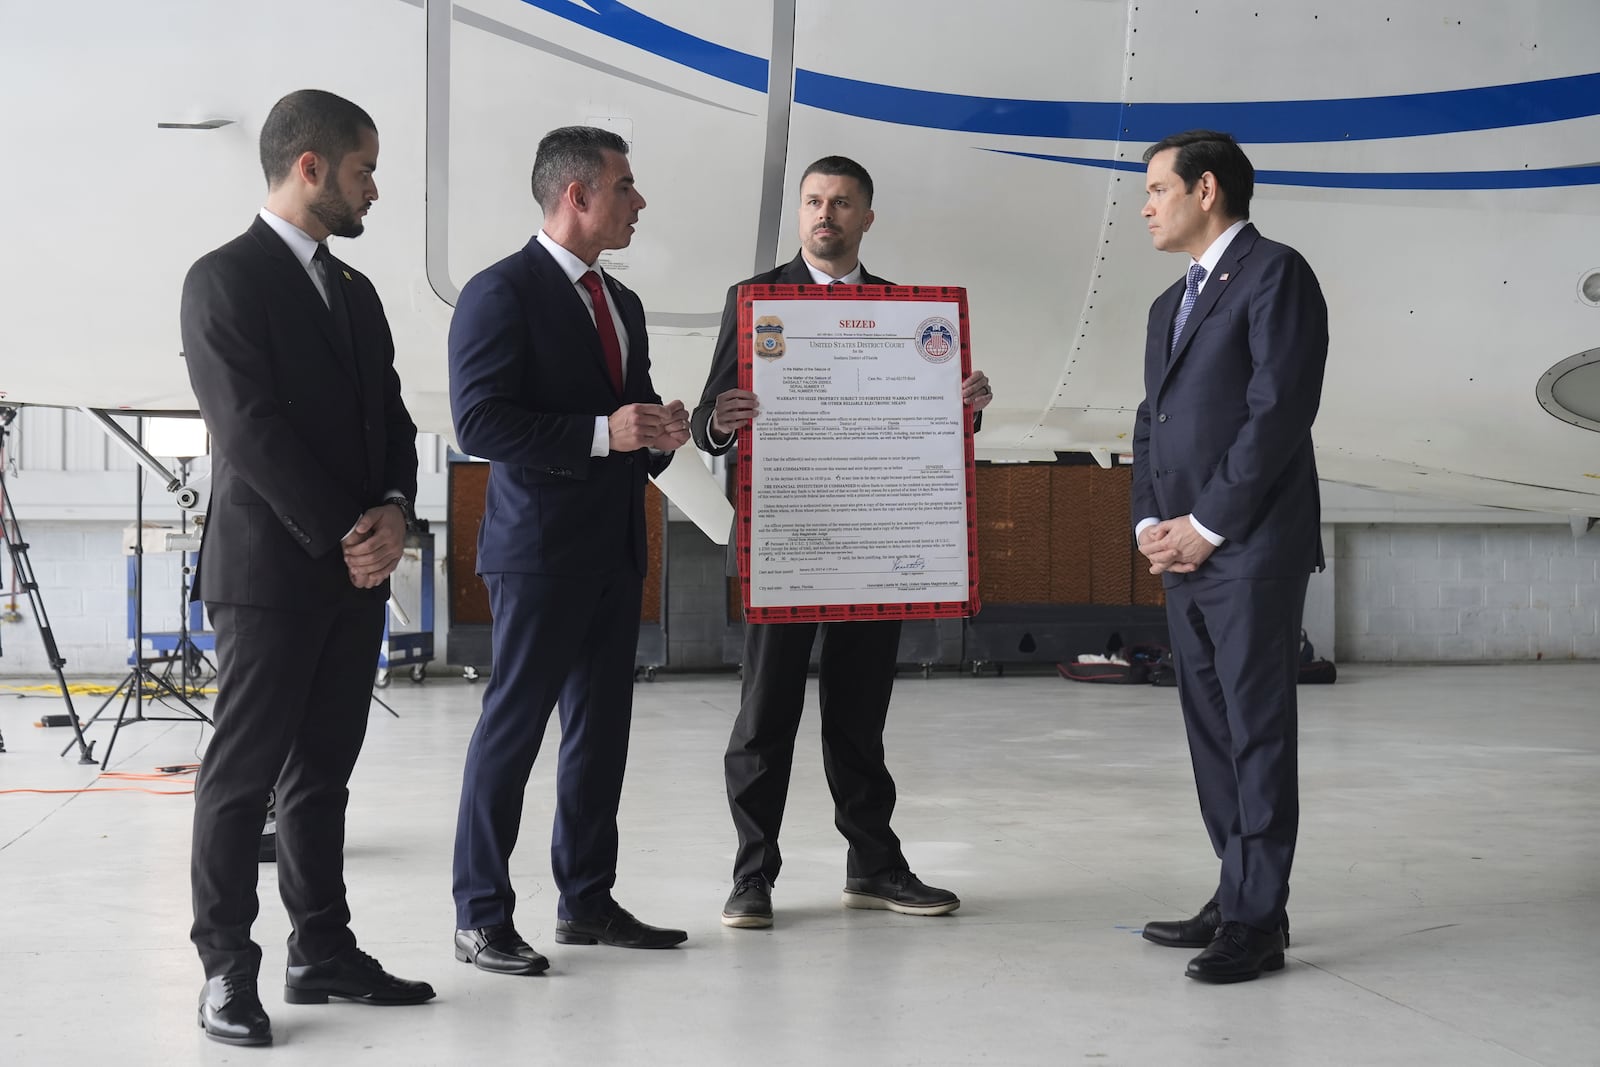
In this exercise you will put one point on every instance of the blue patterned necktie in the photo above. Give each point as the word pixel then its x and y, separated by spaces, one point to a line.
pixel 1191 291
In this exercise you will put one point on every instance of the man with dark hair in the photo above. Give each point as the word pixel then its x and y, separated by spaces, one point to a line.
pixel 1226 509
pixel 314 467
pixel 858 658
pixel 310 120
pixel 550 381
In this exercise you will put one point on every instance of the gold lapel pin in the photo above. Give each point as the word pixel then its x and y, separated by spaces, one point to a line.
pixel 350 279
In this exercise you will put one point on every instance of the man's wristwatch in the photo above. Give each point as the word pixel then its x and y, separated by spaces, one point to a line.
pixel 405 509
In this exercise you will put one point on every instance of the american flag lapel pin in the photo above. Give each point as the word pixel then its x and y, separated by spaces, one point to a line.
pixel 1221 278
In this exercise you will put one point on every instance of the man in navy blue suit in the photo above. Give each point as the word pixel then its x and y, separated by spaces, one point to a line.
pixel 1226 509
pixel 550 381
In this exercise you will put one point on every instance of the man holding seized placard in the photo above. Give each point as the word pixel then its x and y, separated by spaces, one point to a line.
pixel 857 665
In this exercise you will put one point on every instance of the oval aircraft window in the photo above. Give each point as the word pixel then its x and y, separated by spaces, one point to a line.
pixel 1589 289
pixel 1571 390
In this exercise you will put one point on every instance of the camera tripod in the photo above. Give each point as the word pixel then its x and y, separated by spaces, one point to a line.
pixel 22 568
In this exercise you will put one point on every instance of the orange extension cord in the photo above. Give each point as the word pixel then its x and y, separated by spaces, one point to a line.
pixel 184 771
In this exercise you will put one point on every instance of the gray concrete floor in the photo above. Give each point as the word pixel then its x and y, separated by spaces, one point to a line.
pixel 1446 902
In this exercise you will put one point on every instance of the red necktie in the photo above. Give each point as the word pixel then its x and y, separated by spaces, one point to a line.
pixel 606 328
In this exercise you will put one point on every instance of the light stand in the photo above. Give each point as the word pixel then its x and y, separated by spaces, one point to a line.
pixel 190 659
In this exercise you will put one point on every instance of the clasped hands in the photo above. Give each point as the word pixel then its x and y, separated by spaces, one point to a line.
pixel 372 550
pixel 663 427
pixel 1174 546
pixel 736 407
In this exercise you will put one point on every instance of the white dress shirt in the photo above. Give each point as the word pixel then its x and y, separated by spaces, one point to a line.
pixel 575 268
pixel 302 245
pixel 1209 260
pixel 820 277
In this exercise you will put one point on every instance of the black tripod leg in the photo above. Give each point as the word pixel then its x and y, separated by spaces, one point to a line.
pixel 22 571
pixel 385 705
pixel 97 713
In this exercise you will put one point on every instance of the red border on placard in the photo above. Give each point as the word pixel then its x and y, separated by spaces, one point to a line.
pixel 933 609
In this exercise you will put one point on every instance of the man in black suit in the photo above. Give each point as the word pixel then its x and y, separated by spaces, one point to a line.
pixel 1226 509
pixel 550 381
pixel 314 466
pixel 858 658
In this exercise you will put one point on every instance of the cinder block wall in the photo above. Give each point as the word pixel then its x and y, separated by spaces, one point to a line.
pixel 1413 593
pixel 696 599
pixel 83 577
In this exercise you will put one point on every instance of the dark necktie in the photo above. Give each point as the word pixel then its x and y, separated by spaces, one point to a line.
pixel 1191 292
pixel 609 345
pixel 334 288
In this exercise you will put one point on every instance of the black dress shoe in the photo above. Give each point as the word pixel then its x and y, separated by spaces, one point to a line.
pixel 1238 954
pixel 899 891
pixel 351 975
pixel 499 950
pixel 619 930
pixel 231 1011
pixel 749 906
pixel 1196 932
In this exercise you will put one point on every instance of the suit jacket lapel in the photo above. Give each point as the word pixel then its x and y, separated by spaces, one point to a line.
pixel 303 295
pixel 795 272
pixel 1218 281
pixel 554 281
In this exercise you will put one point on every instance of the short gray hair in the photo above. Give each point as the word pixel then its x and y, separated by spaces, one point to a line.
pixel 571 154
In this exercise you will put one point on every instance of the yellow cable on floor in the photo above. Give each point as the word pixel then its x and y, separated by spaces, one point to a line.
pixel 85 689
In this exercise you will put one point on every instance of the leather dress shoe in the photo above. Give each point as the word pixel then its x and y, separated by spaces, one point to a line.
pixel 749 906
pixel 1196 932
pixel 619 929
pixel 351 975
pixel 499 949
pixel 231 1011
pixel 1239 953
pixel 899 891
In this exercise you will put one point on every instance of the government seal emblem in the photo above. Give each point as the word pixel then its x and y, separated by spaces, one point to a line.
pixel 936 339
pixel 769 337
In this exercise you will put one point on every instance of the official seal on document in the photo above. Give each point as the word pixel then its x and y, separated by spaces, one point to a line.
pixel 769 337
pixel 936 339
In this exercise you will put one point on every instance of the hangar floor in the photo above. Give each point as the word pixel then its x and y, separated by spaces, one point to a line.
pixel 1446 902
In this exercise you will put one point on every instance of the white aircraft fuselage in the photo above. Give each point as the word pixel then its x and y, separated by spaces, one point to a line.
pixel 1437 163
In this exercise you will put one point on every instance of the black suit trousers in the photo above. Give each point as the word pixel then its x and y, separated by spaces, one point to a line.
pixel 299 730
pixel 855 680
pixel 1236 645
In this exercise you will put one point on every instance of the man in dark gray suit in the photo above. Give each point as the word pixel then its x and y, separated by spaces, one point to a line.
pixel 858 658
pixel 1226 509
pixel 314 466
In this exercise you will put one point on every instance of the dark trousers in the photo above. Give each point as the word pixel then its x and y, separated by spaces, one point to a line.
pixel 854 684
pixel 567 639
pixel 280 725
pixel 1236 645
